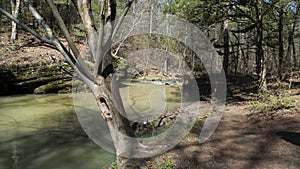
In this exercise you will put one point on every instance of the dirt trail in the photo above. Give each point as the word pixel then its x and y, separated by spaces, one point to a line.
pixel 240 143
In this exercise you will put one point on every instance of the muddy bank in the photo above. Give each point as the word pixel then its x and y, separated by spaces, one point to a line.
pixel 33 70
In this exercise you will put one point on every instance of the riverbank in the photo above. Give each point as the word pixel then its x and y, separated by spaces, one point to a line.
pixel 27 68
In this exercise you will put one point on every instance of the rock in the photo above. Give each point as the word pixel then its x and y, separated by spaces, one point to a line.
pixel 60 86
pixel 33 79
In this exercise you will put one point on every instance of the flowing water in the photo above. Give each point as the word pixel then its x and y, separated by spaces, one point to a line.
pixel 42 131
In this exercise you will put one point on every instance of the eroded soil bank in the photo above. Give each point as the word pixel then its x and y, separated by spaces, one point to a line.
pixel 30 70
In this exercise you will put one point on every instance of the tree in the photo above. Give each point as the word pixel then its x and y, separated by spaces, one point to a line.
pixel 99 82
pixel 280 39
pixel 102 83
pixel 260 57
pixel 15 6
pixel 226 38
pixel 255 37
pixel 291 51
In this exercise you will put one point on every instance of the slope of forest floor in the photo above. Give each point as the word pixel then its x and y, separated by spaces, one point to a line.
pixel 241 143
pixel 28 67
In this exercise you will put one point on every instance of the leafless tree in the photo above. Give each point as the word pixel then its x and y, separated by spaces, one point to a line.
pixel 99 82
pixel 15 6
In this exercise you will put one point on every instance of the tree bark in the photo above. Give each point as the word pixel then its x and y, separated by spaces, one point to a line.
pixel 291 50
pixel 280 39
pixel 260 58
pixel 109 100
pixel 226 39
pixel 15 6
pixel 165 64
pixel 103 87
pixel 85 12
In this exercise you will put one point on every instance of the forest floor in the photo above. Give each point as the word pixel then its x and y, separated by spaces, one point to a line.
pixel 243 139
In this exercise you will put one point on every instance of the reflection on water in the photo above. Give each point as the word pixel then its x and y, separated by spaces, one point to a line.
pixel 149 99
pixel 42 132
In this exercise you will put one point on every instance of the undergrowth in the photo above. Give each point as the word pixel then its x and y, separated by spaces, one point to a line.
pixel 167 163
pixel 271 104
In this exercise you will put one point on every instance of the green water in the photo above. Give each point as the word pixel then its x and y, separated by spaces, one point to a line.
pixel 149 100
pixel 43 132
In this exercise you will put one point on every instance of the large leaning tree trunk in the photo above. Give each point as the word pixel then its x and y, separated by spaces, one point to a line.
pixel 98 79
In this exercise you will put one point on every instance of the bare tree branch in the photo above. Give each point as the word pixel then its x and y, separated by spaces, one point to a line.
pixel 113 30
pixel 60 47
pixel 66 33
pixel 116 27
pixel 114 55
pixel 99 48
pixel 127 7
pixel 40 20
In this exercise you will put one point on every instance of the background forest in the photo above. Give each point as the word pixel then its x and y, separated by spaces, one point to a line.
pixel 258 39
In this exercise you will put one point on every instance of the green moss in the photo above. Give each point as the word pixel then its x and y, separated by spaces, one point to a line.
pixel 53 87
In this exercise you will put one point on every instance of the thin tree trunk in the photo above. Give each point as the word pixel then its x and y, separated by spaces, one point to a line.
pixel 193 62
pixel 15 6
pixel 151 20
pixel 295 56
pixel 226 49
pixel 260 61
pixel 291 43
pixel 280 39
pixel 237 54
pixel 236 59
pixel 226 41
pixel 180 65
pixel 296 61
pixel 247 54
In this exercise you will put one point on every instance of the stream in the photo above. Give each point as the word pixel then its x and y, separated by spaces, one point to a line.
pixel 43 132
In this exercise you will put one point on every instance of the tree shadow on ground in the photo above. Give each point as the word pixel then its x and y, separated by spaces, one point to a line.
pixel 238 88
pixel 242 145
pixel 291 137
